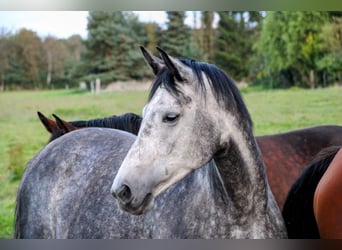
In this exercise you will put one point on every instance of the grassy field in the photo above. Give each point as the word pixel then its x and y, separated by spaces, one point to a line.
pixel 22 135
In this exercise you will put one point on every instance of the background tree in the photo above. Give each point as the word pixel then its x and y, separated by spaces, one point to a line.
pixel 74 66
pixel 5 49
pixel 113 39
pixel 277 49
pixel 178 39
pixel 233 44
pixel 330 65
pixel 176 36
pixel 289 46
pixel 28 60
pixel 56 55
pixel 207 35
pixel 153 34
pixel 75 47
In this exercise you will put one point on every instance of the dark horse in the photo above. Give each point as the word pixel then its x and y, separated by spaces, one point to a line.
pixel 285 155
pixel 127 122
pixel 215 188
pixel 320 189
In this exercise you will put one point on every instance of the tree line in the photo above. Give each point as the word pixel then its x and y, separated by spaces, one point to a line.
pixel 29 62
pixel 274 49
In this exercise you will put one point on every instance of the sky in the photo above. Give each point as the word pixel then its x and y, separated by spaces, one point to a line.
pixel 63 24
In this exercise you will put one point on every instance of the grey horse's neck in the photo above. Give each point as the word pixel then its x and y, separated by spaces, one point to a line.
pixel 243 176
pixel 244 182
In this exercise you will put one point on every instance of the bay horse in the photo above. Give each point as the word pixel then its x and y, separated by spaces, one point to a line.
pixel 64 190
pixel 127 122
pixel 313 206
pixel 285 154
pixel 327 202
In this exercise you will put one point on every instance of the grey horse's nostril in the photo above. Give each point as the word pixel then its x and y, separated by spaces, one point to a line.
pixel 124 194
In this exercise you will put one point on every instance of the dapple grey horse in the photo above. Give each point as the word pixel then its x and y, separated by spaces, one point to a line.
pixel 222 192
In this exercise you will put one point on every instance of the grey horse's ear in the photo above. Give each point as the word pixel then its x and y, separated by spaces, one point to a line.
pixel 178 69
pixel 155 62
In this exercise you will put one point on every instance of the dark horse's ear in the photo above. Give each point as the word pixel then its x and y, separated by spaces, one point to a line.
pixel 64 126
pixel 175 66
pixel 49 124
pixel 155 62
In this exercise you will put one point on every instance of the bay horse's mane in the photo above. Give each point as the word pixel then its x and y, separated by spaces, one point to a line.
pixel 298 208
pixel 128 122
pixel 223 87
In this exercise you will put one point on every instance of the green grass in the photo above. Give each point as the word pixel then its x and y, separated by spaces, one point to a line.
pixel 22 135
pixel 276 111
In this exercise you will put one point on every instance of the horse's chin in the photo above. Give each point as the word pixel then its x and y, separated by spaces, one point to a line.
pixel 145 206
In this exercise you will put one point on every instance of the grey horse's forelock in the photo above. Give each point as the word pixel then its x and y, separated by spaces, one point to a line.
pixel 223 87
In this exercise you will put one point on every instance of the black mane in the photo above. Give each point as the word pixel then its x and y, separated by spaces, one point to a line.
pixel 222 85
pixel 128 122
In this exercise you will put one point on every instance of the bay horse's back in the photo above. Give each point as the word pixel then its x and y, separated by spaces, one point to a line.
pixel 287 154
pixel 52 191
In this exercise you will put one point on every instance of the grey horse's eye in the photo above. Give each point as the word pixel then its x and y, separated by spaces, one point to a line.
pixel 170 118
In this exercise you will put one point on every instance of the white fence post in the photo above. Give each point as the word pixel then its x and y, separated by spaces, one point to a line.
pixel 97 86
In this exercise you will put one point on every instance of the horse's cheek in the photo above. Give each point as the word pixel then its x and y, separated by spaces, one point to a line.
pixel 201 140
